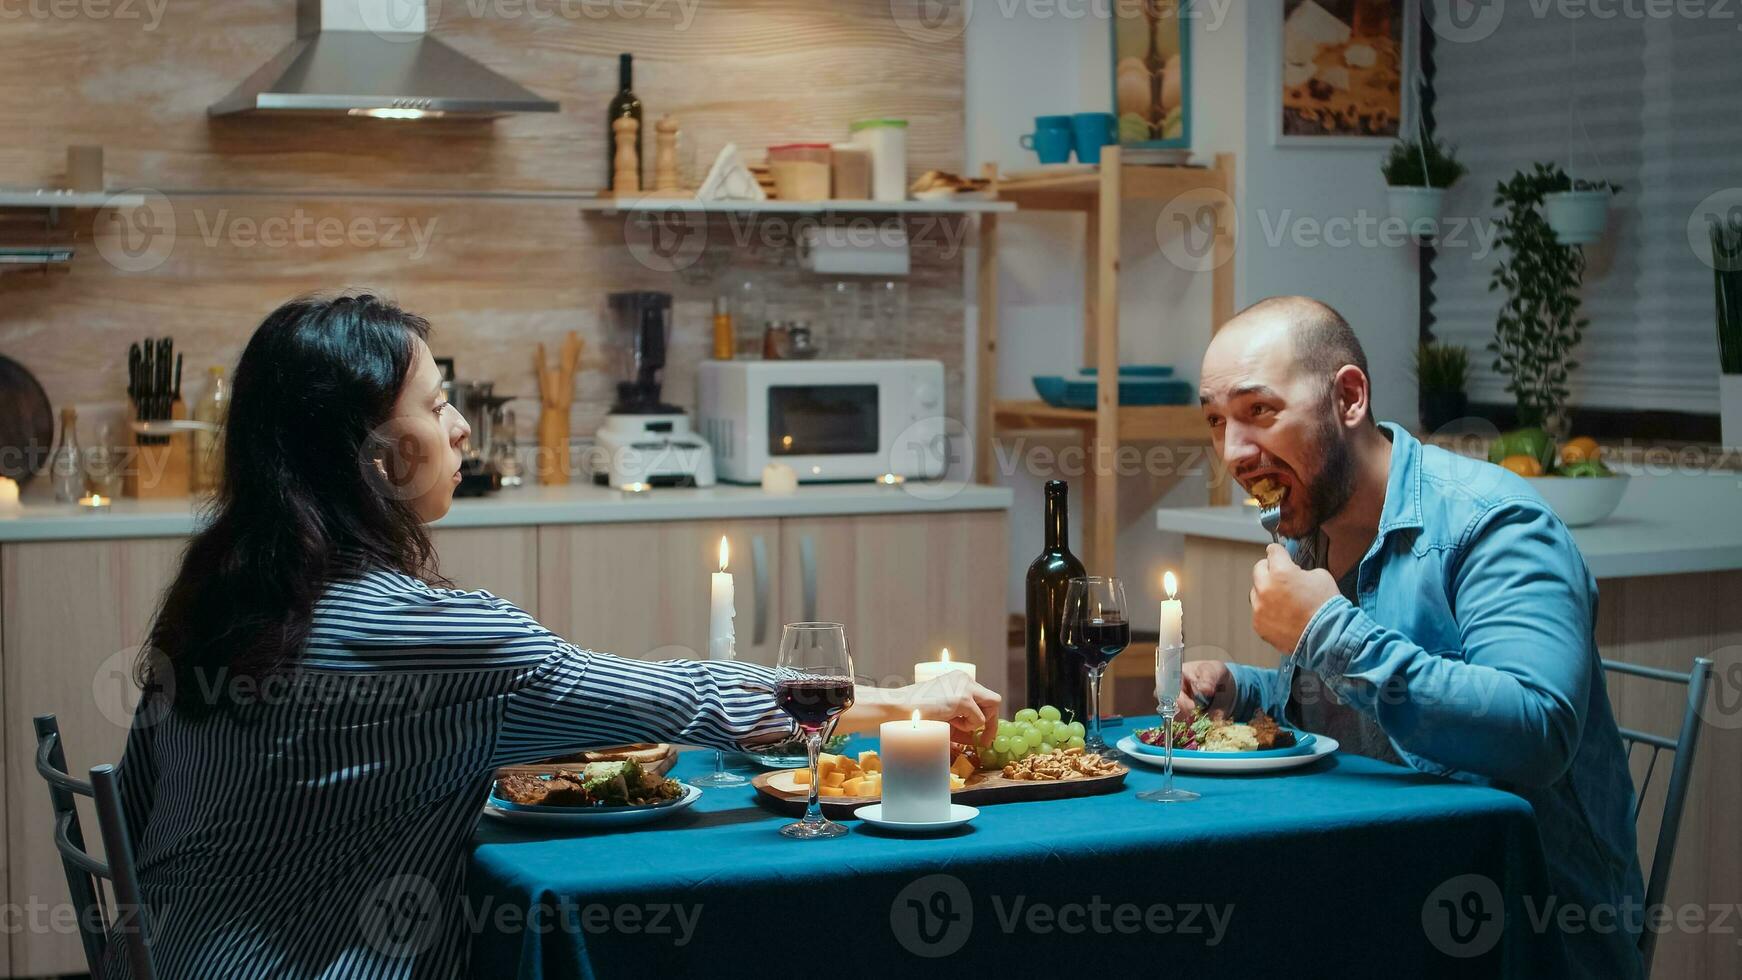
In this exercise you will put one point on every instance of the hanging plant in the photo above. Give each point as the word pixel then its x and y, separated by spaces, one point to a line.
pixel 1539 325
pixel 1578 210
pixel 1417 174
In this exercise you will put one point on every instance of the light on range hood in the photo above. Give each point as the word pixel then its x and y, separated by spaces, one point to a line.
pixel 372 58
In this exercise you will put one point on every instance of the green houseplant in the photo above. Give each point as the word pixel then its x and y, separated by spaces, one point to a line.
pixel 1442 372
pixel 1417 173
pixel 1578 210
pixel 1539 324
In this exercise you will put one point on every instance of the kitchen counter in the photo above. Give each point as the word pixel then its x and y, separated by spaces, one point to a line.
pixel 573 504
pixel 1666 525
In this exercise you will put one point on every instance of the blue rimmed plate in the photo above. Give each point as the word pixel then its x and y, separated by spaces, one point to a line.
pixel 1230 762
pixel 588 817
pixel 1303 742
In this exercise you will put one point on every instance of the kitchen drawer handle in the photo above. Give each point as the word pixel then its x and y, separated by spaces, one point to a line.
pixel 807 557
pixel 759 568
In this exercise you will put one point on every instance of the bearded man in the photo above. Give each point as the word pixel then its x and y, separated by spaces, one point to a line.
pixel 1430 610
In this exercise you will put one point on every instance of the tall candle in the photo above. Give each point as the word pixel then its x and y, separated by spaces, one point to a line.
pixel 8 493
pixel 1167 652
pixel 916 770
pixel 722 643
pixel 928 669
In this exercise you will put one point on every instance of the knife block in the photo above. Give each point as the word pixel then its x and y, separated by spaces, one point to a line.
pixel 160 470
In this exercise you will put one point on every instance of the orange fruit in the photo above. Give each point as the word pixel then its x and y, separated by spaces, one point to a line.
pixel 1523 465
pixel 1579 450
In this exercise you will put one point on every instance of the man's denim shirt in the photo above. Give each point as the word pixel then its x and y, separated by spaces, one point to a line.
pixel 1472 646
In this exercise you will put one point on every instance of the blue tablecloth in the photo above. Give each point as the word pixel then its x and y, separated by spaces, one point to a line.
pixel 1348 867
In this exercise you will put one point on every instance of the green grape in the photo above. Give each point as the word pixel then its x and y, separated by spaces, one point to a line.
pixel 1076 742
pixel 1077 730
pixel 1026 715
pixel 1045 727
pixel 1019 744
pixel 1049 712
pixel 1001 744
pixel 1045 747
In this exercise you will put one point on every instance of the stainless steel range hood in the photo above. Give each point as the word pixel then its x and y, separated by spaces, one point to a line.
pixel 372 58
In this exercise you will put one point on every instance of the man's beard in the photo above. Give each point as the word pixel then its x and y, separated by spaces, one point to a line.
pixel 1333 483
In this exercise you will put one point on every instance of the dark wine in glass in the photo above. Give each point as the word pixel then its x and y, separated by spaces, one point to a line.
pixel 814 701
pixel 1094 631
pixel 1100 640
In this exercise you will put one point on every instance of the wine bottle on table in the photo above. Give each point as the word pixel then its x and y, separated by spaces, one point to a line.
pixel 625 104
pixel 1054 676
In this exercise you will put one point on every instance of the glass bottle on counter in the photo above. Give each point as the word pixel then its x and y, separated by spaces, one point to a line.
pixel 66 468
pixel 214 405
pixel 624 104
pixel 1053 677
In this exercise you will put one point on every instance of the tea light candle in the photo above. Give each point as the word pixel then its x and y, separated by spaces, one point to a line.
pixel 929 669
pixel 722 606
pixel 780 479
pixel 8 493
pixel 94 503
pixel 916 770
pixel 632 489
pixel 891 480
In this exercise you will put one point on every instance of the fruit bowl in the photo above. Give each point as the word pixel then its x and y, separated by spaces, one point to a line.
pixel 1580 500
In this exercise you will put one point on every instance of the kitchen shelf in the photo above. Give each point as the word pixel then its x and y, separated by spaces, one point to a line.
pixel 35 255
pixel 1137 423
pixel 607 205
pixel 1081 191
pixel 25 197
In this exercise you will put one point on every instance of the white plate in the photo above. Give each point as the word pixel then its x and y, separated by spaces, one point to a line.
pixel 577 817
pixel 960 813
pixel 1322 746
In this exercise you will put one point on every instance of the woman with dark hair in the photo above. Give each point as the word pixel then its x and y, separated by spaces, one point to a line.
pixel 320 725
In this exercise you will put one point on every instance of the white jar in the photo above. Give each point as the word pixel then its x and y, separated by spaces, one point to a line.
pixel 887 141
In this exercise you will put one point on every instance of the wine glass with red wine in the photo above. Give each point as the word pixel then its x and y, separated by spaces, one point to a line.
pixel 1094 631
pixel 814 683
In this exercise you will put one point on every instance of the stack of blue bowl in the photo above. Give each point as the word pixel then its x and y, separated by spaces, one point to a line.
pixel 1139 384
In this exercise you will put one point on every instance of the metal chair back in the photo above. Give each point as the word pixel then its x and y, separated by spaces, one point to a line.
pixel 1682 747
pixel 101 924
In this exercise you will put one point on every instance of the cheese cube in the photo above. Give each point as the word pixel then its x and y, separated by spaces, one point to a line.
pixel 869 762
pixel 802 777
pixel 830 791
pixel 957 782
pixel 855 786
pixel 834 780
pixel 963 766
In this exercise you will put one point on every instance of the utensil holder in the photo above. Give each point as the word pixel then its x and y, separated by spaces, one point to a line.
pixel 160 466
pixel 553 446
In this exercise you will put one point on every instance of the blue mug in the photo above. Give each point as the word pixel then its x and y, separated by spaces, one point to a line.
pixel 1051 140
pixel 1093 130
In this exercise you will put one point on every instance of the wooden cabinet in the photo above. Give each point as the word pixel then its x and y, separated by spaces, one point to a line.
pixel 641 590
pixel 904 585
pixel 499 560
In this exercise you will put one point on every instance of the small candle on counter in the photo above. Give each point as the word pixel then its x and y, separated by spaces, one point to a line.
pixel 916 770
pixel 94 503
pixel 8 493
pixel 779 478
pixel 722 606
pixel 891 480
pixel 635 488
pixel 928 669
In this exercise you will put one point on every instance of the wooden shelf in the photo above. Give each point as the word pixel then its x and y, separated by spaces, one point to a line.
pixel 610 205
pixel 25 197
pixel 1137 423
pixel 1077 192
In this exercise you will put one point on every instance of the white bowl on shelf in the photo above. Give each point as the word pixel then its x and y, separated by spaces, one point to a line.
pixel 1580 500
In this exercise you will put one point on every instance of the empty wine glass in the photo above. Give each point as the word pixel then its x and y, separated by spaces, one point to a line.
pixel 814 684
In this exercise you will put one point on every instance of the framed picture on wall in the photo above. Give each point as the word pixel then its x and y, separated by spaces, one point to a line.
pixel 1344 71
pixel 1152 73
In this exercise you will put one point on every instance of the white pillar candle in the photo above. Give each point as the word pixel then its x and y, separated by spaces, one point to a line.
pixel 8 493
pixel 916 770
pixel 722 642
pixel 1167 652
pixel 927 669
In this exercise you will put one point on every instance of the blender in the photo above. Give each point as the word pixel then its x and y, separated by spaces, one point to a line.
pixel 644 441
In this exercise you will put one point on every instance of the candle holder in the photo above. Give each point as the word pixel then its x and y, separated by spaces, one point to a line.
pixel 1167 673
pixel 95 504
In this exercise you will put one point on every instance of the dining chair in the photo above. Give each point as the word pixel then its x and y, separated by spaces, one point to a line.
pixel 1682 747
pixel 101 923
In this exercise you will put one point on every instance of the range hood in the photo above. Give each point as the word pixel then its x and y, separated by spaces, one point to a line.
pixel 372 58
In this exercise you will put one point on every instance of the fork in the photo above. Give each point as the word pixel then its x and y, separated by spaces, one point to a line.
pixel 1270 518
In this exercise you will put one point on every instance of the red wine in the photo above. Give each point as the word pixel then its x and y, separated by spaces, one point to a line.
pixel 1053 677
pixel 1098 641
pixel 624 104
pixel 812 701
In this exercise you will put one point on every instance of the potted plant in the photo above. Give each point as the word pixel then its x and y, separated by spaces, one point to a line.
pixel 1441 372
pixel 1727 266
pixel 1539 324
pixel 1578 210
pixel 1417 174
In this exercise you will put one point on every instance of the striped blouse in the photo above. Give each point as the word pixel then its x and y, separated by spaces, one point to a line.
pixel 324 831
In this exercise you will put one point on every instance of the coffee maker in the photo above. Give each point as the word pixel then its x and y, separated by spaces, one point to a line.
pixel 481 468
pixel 644 441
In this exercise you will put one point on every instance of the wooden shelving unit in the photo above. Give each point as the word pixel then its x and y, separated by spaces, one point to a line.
pixel 1101 195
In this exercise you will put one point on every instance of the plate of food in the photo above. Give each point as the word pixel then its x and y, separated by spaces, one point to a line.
pixel 850 783
pixel 1220 745
pixel 599 794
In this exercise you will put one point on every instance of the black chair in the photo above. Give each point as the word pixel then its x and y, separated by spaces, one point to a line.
pixel 101 923
pixel 1663 854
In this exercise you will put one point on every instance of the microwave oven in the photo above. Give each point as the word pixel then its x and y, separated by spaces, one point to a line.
pixel 828 420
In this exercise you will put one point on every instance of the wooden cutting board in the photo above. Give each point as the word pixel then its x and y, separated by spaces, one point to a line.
pixel 983 788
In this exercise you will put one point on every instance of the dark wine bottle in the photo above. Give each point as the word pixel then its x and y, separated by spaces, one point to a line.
pixel 625 104
pixel 1054 676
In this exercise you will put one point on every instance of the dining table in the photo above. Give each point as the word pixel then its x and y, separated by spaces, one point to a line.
pixel 1344 867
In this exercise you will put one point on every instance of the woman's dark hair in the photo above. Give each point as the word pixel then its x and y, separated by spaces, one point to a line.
pixel 303 499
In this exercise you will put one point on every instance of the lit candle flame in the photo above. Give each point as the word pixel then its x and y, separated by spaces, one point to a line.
pixel 946 655
pixel 916 717
pixel 1170 583
pixel 725 551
